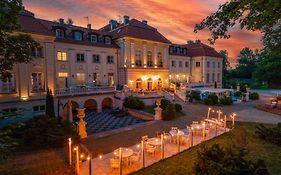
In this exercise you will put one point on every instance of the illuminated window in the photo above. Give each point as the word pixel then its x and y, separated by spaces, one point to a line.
pixel 61 56
pixel 81 79
pixel 63 74
pixel 8 85
pixel 149 59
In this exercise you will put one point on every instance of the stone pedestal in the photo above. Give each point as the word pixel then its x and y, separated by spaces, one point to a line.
pixel 247 96
pixel 158 110
pixel 81 127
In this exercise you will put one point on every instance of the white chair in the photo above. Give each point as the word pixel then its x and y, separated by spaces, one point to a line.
pixel 135 157
pixel 114 163
pixel 150 149
pixel 167 136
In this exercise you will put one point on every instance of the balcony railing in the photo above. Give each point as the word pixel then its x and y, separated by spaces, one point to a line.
pixel 83 90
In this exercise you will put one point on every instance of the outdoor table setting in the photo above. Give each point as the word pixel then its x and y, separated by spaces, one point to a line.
pixel 174 133
pixel 154 141
pixel 126 153
pixel 197 127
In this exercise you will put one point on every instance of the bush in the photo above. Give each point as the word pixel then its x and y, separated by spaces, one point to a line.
pixel 212 99
pixel 254 96
pixel 226 100
pixel 42 132
pixel 169 113
pixel 133 103
pixel 238 94
pixel 178 107
pixel 165 103
pixel 216 160
pixel 195 94
pixel 271 134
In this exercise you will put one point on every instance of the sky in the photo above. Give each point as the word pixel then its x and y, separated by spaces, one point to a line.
pixel 175 19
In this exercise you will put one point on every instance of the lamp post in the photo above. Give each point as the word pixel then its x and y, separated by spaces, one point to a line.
pixel 120 156
pixel 224 123
pixel 191 140
pixel 69 151
pixel 219 114
pixel 77 160
pixel 233 119
pixel 162 146
pixel 142 153
pixel 178 140
pixel 208 115
pixel 216 123
pixel 90 164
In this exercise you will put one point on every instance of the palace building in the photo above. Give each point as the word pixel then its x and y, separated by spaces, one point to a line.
pixel 85 65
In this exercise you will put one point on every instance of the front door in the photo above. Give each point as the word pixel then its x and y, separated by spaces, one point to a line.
pixel 149 85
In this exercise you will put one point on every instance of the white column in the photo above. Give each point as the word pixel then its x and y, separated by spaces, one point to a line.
pixel 132 55
pixel 155 55
pixel 165 61
pixel 125 53
pixel 144 56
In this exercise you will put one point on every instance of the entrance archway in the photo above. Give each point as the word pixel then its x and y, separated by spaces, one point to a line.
pixel 107 103
pixel 159 84
pixel 90 104
pixel 149 84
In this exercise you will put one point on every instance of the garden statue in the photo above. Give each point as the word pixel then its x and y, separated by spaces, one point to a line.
pixel 81 127
pixel 158 110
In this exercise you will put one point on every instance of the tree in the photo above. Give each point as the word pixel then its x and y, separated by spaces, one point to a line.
pixel 50 103
pixel 268 69
pixel 246 63
pixel 225 66
pixel 14 48
pixel 262 15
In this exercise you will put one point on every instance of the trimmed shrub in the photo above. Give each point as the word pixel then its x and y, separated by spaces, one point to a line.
pixel 133 103
pixel 165 103
pixel 212 99
pixel 218 160
pixel 178 107
pixel 226 100
pixel 169 113
pixel 254 96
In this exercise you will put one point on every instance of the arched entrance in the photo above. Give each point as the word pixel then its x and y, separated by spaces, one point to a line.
pixel 90 104
pixel 106 103
pixel 139 84
pixel 159 84
pixel 74 106
pixel 149 84
pixel 66 110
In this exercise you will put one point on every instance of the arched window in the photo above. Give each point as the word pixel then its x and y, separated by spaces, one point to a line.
pixel 149 59
pixel 160 60
pixel 138 83
pixel 138 58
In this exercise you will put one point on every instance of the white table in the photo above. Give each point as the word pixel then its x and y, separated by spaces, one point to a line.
pixel 126 152
pixel 154 141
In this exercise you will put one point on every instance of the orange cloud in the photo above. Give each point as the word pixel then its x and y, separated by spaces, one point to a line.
pixel 173 18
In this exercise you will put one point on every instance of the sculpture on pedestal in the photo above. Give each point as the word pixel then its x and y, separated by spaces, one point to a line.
pixel 158 110
pixel 81 127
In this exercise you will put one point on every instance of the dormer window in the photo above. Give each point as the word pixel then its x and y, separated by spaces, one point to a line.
pixel 93 38
pixel 59 33
pixel 107 40
pixel 77 36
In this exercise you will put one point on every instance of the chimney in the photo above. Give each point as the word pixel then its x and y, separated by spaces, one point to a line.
pixel 113 24
pixel 144 21
pixel 126 19
pixel 61 20
pixel 190 42
pixel 89 26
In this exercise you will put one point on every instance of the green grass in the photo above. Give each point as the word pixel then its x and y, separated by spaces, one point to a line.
pixel 243 135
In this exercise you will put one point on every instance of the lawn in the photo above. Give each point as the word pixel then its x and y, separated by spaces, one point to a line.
pixel 243 135
pixel 47 162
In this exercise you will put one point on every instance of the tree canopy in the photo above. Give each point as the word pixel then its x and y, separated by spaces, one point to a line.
pixel 262 15
pixel 14 48
pixel 247 61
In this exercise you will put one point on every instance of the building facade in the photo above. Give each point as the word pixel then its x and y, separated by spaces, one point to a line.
pixel 84 65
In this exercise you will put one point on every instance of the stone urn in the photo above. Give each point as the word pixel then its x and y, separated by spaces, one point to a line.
pixel 158 110
pixel 81 127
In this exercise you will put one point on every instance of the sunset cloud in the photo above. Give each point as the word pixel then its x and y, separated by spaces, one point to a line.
pixel 173 18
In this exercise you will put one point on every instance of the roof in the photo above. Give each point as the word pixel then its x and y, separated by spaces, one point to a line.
pixel 196 49
pixel 30 24
pixel 136 29
pixel 68 36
